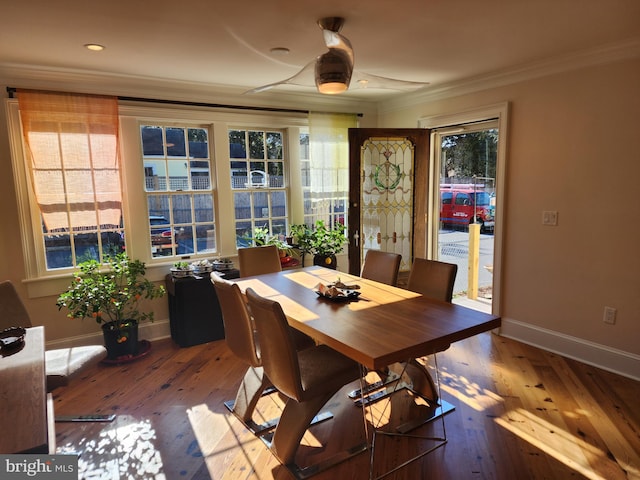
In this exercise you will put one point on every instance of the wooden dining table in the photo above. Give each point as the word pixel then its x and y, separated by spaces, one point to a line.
pixel 383 325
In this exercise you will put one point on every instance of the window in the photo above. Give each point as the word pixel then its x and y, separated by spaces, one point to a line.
pixel 324 158
pixel 177 175
pixel 168 201
pixel 463 199
pixel 257 161
pixel 326 202
pixel 72 158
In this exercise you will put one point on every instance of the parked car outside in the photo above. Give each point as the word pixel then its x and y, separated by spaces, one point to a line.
pixel 461 203
pixel 162 238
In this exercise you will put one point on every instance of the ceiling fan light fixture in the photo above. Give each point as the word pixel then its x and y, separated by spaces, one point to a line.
pixel 332 88
pixel 333 72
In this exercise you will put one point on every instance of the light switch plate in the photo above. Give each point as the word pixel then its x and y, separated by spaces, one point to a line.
pixel 550 217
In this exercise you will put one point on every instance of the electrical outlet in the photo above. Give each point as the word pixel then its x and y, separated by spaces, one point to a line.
pixel 550 218
pixel 609 315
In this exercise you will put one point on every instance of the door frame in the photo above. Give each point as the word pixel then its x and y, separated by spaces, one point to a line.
pixel 420 139
pixel 500 112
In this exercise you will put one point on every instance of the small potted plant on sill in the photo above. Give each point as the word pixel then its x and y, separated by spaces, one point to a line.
pixel 112 298
pixel 322 242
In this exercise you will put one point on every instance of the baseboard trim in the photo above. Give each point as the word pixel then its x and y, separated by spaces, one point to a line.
pixel 147 331
pixel 607 358
pixel 610 359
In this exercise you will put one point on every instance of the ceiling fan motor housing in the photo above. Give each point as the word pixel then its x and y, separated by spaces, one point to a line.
pixel 333 71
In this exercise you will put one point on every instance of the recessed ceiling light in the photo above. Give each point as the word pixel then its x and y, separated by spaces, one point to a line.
pixel 94 47
pixel 279 51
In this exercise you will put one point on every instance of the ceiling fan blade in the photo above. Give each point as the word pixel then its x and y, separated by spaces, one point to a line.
pixel 335 68
pixel 303 78
pixel 366 80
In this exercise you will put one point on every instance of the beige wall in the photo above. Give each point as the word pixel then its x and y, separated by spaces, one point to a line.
pixel 572 147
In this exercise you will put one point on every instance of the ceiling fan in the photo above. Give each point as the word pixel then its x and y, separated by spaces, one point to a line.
pixel 333 70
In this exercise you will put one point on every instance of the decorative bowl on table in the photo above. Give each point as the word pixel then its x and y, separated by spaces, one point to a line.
pixel 12 337
pixel 336 294
pixel 222 265
pixel 181 272
pixel 201 267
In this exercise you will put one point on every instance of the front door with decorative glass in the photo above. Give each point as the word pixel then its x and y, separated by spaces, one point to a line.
pixel 387 192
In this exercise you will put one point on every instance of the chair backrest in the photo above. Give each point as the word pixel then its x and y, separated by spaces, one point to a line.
pixel 12 311
pixel 259 260
pixel 238 326
pixel 381 266
pixel 277 348
pixel 432 278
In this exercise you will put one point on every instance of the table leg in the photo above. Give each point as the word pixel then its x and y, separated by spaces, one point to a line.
pixel 410 375
pixel 413 376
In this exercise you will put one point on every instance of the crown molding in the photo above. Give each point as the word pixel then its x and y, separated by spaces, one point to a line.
pixel 550 66
pixel 29 76
pixel 82 81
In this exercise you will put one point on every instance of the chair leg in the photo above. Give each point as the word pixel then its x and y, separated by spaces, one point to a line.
pixel 294 421
pixel 254 384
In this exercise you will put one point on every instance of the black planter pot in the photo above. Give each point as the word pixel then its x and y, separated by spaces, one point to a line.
pixel 328 261
pixel 121 342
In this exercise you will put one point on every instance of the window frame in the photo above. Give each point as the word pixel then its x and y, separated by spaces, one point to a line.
pixel 172 194
pixel 330 215
pixel 41 282
pixel 254 189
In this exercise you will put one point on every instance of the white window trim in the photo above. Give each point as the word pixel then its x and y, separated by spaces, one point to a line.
pixel 500 112
pixel 41 282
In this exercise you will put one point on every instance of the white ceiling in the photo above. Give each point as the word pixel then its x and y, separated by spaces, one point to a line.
pixel 217 43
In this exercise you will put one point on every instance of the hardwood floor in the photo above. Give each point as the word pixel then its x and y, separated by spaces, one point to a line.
pixel 520 413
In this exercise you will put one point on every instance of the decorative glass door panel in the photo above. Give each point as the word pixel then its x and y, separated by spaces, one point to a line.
pixel 387 197
pixel 388 176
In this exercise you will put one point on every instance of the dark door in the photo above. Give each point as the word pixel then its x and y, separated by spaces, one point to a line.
pixel 388 185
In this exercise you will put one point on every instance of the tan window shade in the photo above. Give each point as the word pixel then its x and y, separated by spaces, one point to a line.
pixel 329 153
pixel 72 150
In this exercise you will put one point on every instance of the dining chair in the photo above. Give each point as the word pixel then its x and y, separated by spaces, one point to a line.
pixel 241 339
pixel 381 267
pixel 309 378
pixel 259 260
pixel 61 365
pixel 432 278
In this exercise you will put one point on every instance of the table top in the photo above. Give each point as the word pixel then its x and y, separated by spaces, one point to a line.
pixel 385 325
pixel 23 394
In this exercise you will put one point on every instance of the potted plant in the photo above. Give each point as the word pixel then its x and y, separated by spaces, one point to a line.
pixel 112 297
pixel 322 242
pixel 261 237
pixel 181 270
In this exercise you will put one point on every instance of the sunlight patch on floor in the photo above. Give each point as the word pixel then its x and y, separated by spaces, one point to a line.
pixel 553 441
pixel 126 451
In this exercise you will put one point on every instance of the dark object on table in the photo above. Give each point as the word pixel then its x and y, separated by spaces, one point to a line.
pixel 12 337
